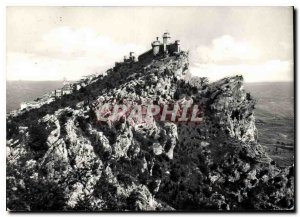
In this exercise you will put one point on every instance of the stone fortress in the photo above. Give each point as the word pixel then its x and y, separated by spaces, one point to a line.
pixel 159 50
pixel 163 48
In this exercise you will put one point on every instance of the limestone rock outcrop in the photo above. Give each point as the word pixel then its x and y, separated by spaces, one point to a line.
pixel 61 157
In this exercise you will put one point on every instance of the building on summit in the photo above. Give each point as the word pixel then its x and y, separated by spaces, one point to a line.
pixel 159 48
pixel 132 58
pixel 162 48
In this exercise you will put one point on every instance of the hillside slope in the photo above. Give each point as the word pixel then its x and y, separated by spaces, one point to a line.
pixel 62 157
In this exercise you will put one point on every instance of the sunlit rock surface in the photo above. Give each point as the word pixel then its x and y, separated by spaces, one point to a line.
pixel 60 157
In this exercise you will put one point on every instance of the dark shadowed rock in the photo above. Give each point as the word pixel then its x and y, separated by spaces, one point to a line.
pixel 81 163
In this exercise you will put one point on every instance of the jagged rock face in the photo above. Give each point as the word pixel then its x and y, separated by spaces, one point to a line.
pixel 68 160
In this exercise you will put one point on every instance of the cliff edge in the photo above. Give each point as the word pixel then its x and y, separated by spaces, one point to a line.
pixel 73 155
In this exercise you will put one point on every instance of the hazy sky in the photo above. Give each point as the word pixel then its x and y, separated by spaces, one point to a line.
pixel 49 43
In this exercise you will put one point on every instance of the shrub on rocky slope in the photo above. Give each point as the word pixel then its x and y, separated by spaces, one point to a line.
pixel 70 160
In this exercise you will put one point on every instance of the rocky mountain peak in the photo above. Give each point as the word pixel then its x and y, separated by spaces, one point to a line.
pixel 102 148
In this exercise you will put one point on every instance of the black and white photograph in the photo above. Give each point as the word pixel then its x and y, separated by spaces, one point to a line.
pixel 150 109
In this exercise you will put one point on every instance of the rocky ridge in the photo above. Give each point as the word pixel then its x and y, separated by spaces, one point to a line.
pixel 59 157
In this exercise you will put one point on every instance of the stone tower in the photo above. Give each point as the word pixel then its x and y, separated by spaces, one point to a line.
pixel 177 46
pixel 155 47
pixel 166 40
pixel 131 55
